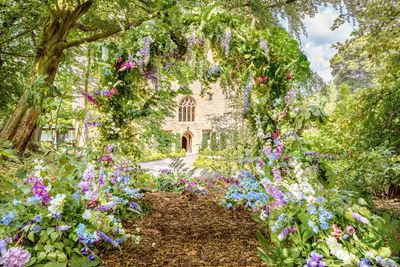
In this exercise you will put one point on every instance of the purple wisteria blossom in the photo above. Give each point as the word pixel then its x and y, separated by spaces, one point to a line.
pixel 360 218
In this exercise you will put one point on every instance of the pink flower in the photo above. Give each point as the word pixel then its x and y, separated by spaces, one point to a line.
pixel 351 230
pixel 289 76
pixel 92 203
pixel 276 134
pixel 336 231
pixel 262 79
pixel 112 92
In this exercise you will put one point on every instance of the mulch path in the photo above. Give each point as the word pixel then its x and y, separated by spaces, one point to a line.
pixel 188 230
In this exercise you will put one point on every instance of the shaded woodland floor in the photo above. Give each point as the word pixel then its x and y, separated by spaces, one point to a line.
pixel 188 230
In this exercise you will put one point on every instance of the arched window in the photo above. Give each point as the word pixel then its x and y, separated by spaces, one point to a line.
pixel 187 108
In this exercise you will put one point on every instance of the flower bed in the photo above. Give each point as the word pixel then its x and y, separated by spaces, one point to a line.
pixel 306 222
pixel 66 213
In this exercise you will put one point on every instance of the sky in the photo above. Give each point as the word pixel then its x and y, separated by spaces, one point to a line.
pixel 317 45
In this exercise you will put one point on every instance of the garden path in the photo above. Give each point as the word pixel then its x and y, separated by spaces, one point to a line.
pixel 188 230
pixel 155 166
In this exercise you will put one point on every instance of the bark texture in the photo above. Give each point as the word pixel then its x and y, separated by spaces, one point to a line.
pixel 22 124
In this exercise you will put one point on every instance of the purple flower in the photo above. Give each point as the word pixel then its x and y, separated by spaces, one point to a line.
pixel 277 174
pixel 264 46
pixel 63 228
pixel 90 98
pixel 246 94
pixel 225 41
pixel 135 206
pixel 107 206
pixel 360 218
pixel 315 260
pixel 40 190
pixel 364 263
pixel 285 232
pixel 107 238
pixel 16 257
pixel 92 257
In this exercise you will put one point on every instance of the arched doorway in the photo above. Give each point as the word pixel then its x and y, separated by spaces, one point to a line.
pixel 187 140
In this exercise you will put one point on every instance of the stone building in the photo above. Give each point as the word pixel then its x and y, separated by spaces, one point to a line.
pixel 192 122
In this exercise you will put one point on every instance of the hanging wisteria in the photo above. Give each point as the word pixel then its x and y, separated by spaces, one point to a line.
pixel 226 40
pixel 246 94
pixel 191 41
pixel 144 53
pixel 264 46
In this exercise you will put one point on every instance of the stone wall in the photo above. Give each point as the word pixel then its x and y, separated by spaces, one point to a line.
pixel 205 109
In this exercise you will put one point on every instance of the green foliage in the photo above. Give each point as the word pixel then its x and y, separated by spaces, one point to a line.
pixel 213 142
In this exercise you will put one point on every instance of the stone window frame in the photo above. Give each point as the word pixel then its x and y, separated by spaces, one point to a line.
pixel 187 109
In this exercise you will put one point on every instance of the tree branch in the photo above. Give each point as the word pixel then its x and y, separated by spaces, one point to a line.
pixel 107 33
pixel 20 34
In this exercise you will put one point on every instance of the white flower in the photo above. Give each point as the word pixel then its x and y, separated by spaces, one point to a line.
pixel 339 252
pixel 86 214
pixel 56 205
pixel 263 215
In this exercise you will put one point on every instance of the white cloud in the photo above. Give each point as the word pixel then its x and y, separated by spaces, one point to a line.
pixel 318 44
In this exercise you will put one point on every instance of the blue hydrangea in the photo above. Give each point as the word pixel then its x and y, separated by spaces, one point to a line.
pixel 312 210
pixel 313 226
pixel 33 200
pixel 36 228
pixel 8 219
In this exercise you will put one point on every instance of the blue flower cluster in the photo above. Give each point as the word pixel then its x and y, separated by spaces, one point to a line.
pixel 84 236
pixel 8 219
pixel 279 223
pixel 249 192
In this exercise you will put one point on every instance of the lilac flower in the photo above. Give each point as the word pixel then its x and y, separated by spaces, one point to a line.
pixel 191 41
pixel 109 148
pixel 63 228
pixel 246 94
pixel 285 232
pixel 3 245
pixel 315 260
pixel 102 177
pixel 277 174
pixel 107 206
pixel 90 173
pixel 279 149
pixel 107 238
pixel 135 206
pixel 264 46
pixel 289 96
pixel 40 190
pixel 364 263
pixel 225 41
pixel 16 257
pixel 144 52
pixel 133 192
pixel 92 257
pixel 91 120
pixel 360 218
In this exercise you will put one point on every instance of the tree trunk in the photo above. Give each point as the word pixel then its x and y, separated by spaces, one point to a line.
pixel 22 124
